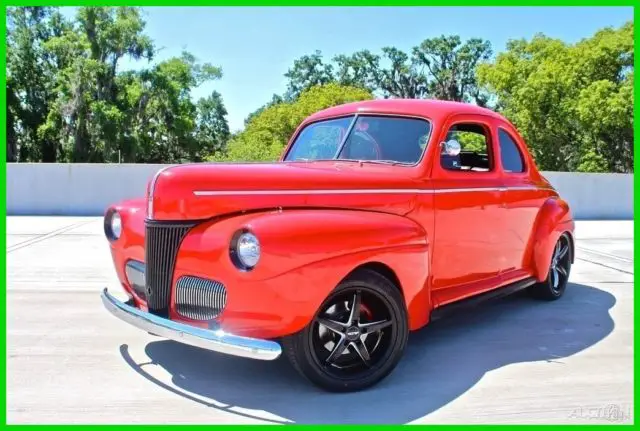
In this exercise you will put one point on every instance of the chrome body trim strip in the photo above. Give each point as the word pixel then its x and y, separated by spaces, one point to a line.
pixel 214 340
pixel 362 191
pixel 152 187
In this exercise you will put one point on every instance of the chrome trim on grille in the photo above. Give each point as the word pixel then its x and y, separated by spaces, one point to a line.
pixel 162 241
pixel 199 298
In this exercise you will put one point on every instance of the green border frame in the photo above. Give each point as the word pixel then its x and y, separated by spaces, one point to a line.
pixel 512 3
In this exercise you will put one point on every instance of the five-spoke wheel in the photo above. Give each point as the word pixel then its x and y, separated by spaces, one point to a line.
pixel 357 336
pixel 352 327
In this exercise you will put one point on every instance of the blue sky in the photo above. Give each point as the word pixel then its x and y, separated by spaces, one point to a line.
pixel 256 46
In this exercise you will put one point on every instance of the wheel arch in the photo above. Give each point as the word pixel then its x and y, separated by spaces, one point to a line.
pixel 381 268
pixel 572 245
pixel 554 219
pixel 414 291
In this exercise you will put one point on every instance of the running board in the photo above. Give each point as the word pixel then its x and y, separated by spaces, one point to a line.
pixel 476 300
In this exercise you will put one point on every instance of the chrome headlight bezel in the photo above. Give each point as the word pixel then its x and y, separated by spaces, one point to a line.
pixel 244 250
pixel 113 225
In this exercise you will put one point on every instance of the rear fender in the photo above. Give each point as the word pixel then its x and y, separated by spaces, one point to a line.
pixel 554 219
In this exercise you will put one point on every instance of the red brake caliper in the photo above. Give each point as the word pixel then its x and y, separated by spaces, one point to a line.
pixel 366 311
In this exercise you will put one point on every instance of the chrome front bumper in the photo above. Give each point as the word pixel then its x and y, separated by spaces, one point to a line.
pixel 217 341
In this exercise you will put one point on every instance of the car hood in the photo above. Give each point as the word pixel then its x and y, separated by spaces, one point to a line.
pixel 201 191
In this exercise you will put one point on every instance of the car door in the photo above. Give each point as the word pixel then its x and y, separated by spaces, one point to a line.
pixel 521 198
pixel 467 252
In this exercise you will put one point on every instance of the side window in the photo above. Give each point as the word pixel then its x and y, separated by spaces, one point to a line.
pixel 474 154
pixel 510 156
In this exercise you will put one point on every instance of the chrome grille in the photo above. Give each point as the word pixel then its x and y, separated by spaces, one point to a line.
pixel 200 299
pixel 162 240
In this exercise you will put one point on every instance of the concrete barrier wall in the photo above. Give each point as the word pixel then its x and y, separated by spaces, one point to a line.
pixel 87 189
pixel 595 196
pixel 73 189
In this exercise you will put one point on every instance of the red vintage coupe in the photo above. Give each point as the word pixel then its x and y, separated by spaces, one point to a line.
pixel 380 216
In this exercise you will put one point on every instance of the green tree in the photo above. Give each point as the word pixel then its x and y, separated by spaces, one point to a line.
pixel 30 81
pixel 360 69
pixel 86 84
pixel 163 120
pixel 267 134
pixel 67 100
pixel 13 114
pixel 212 129
pixel 94 113
pixel 442 68
pixel 275 99
pixel 572 103
pixel 404 77
pixel 306 72
pixel 451 67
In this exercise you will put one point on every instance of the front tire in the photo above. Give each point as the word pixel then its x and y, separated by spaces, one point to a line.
pixel 559 269
pixel 357 337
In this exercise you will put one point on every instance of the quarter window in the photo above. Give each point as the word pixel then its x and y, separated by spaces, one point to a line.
pixel 510 155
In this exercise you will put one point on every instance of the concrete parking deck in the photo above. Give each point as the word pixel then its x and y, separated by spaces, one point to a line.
pixel 514 360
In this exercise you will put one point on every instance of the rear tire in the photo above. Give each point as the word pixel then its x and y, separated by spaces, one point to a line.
pixel 559 269
pixel 346 348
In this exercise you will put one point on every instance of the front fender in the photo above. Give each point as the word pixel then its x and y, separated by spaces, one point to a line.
pixel 305 254
pixel 554 219
pixel 130 245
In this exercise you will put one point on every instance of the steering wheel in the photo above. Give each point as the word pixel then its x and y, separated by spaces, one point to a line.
pixel 362 146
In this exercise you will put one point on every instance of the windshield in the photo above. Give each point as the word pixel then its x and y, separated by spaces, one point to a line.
pixel 367 138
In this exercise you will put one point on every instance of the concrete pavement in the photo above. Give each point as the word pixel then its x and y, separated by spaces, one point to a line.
pixel 514 360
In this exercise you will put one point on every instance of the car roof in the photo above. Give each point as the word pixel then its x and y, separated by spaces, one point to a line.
pixel 429 108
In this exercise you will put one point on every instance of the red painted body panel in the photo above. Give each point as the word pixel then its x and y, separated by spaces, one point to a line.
pixel 302 263
pixel 174 197
pixel 130 245
pixel 445 235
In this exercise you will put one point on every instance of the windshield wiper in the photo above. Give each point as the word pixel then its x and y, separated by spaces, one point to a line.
pixel 383 162
pixel 378 161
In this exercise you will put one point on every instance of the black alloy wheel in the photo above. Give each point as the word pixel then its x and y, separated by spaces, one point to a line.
pixel 357 337
pixel 559 269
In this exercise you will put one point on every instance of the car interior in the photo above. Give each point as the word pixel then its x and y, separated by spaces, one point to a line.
pixel 474 155
pixel 399 140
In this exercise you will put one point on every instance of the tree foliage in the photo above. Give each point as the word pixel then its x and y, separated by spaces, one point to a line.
pixel 30 73
pixel 572 103
pixel 442 68
pixel 68 101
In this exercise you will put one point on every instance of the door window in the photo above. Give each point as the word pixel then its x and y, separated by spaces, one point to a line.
pixel 473 144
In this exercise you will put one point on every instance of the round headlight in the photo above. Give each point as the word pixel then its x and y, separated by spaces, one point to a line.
pixel 248 249
pixel 116 225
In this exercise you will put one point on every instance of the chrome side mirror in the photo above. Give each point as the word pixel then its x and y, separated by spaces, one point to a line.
pixel 451 147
